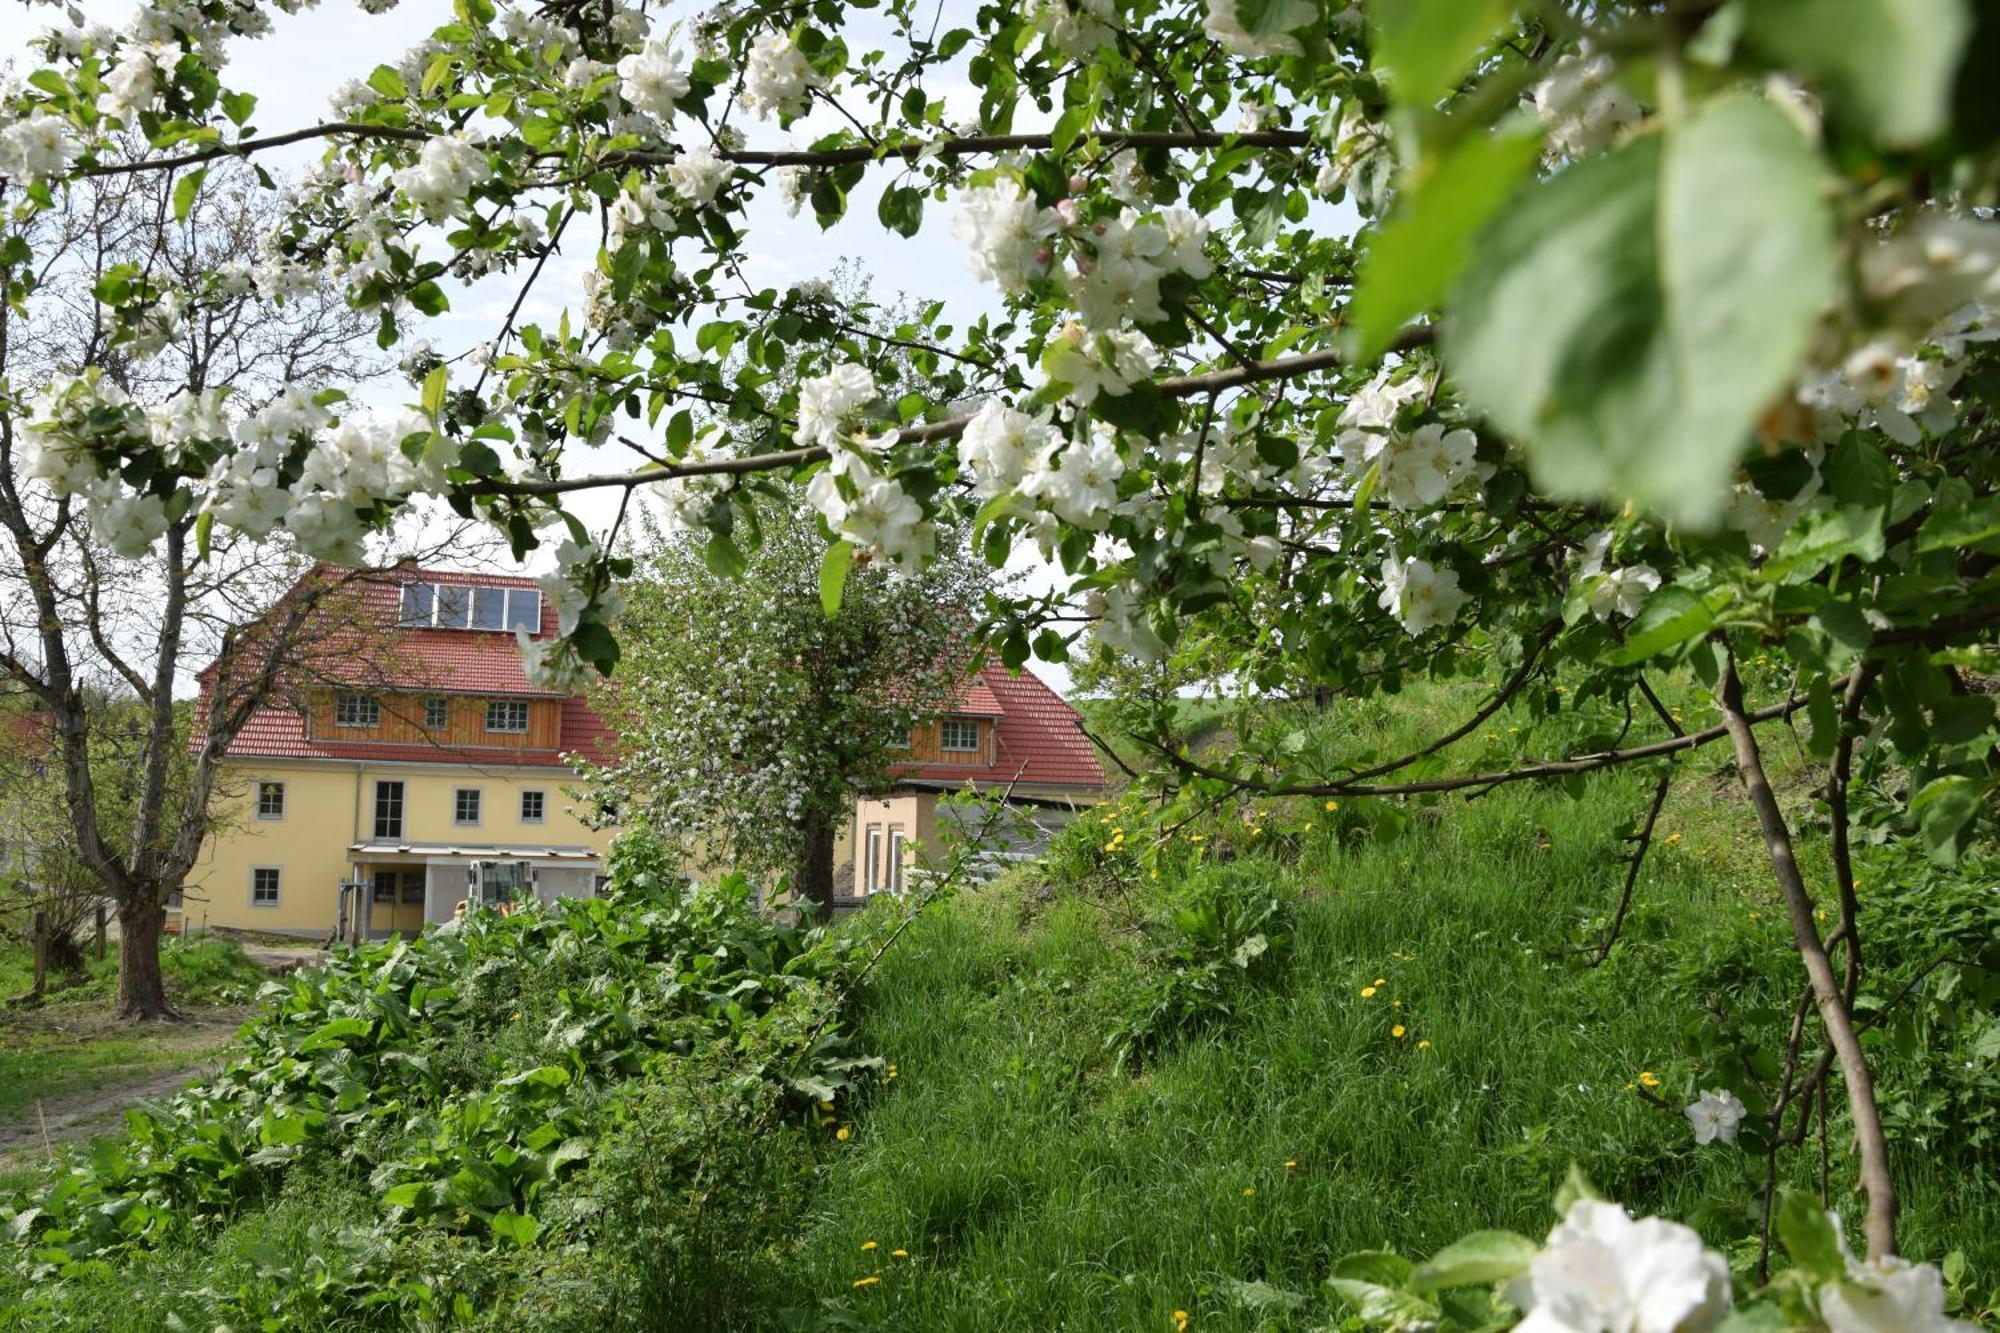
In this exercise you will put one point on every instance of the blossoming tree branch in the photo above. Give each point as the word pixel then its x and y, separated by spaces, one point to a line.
pixel 1664 344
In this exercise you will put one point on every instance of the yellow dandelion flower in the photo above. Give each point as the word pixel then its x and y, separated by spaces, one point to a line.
pixel 1397 1031
pixel 1424 1045
pixel 899 1254
pixel 1649 1078
pixel 1332 805
pixel 867 1245
pixel 1291 1164
pixel 844 1133
pixel 1381 981
pixel 1197 837
pixel 826 1106
pixel 1367 992
pixel 889 1073
pixel 868 1281
pixel 1395 1004
pixel 1308 827
pixel 1248 1191
pixel 1180 1320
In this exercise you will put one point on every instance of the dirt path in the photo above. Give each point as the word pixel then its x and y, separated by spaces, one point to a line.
pixel 87 1112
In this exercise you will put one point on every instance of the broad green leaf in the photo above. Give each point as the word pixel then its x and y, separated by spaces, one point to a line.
pixel 1670 617
pixel 1475 1260
pixel 1629 319
pixel 1809 1236
pixel 1945 810
pixel 1823 537
pixel 1887 65
pixel 833 569
pixel 1422 46
pixel 434 387
pixel 185 191
pixel 1959 521
pixel 1418 253
pixel 1576 1188
pixel 1382 1304
pixel 510 1225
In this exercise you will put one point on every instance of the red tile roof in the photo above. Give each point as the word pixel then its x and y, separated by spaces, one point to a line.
pixel 368 649
pixel 1039 741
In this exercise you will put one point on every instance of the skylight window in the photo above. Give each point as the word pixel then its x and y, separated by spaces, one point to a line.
pixel 465 606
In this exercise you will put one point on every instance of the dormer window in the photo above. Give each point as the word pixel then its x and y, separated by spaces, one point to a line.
pixel 959 734
pixel 356 710
pixel 470 606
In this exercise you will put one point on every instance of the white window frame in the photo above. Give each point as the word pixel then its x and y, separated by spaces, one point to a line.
pixel 458 795
pixel 402 807
pixel 541 815
pixel 510 705
pixel 442 706
pixel 871 864
pixel 277 874
pixel 949 725
pixel 897 843
pixel 264 786
pixel 364 706
pixel 519 607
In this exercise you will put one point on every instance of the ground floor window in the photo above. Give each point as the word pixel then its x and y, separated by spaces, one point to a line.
pixel 871 865
pixel 895 870
pixel 264 882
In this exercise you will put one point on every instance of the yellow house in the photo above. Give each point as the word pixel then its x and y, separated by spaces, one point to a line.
pixel 419 769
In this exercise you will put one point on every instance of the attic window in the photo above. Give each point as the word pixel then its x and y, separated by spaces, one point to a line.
pixel 356 710
pixel 470 606
pixel 959 734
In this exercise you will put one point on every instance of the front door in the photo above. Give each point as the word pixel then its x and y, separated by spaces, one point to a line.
pixel 398 901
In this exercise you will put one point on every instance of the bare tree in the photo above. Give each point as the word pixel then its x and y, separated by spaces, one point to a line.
pixel 82 629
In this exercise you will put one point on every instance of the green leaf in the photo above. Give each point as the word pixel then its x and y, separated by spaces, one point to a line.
pixel 1629 319
pixel 1822 538
pixel 238 106
pixel 833 569
pixel 1422 46
pixel 1887 65
pixel 204 534
pixel 510 1225
pixel 1384 1305
pixel 902 209
pixel 1384 1268
pixel 1945 811
pixel 386 81
pixel 1576 1187
pixel 1070 124
pixel 1670 617
pixel 1475 1260
pixel 1825 719
pixel 1418 253
pixel 1959 521
pixel 434 387
pixel 1809 1237
pixel 185 191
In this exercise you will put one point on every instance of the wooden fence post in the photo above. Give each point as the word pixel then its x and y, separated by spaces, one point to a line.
pixel 100 932
pixel 41 951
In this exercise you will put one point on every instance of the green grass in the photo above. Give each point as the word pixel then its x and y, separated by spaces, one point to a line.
pixel 1037 1186
pixel 208 970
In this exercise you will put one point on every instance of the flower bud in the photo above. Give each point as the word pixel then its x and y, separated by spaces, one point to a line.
pixel 1079 183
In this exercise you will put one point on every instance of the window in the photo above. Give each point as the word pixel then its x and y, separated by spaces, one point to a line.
pixel 413 887
pixel 489 608
pixel 356 710
pixel 454 607
pixel 465 806
pixel 534 807
pixel 388 809
pixel 385 887
pixel 264 886
pixel 437 714
pixel 507 715
pixel 894 875
pixel 871 873
pixel 958 733
pixel 270 800
pixel 458 606
pixel 419 602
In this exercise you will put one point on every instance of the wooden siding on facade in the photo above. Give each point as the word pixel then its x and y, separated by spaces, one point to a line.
pixel 926 747
pixel 402 723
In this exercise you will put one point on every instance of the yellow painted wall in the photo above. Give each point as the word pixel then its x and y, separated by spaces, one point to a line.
pixel 915 813
pixel 331 804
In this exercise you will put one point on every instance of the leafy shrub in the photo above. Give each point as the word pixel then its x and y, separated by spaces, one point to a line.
pixel 1223 932
pixel 487 1089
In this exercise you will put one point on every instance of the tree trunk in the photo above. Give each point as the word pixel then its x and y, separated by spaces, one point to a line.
pixel 142 987
pixel 812 878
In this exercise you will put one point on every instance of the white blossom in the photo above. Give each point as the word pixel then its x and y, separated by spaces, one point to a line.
pixel 1423 467
pixel 1419 594
pixel 652 80
pixel 129 524
pixel 1717 1113
pixel 38 148
pixel 1583 105
pixel 1006 235
pixel 1093 363
pixel 1076 27
pixel 794 188
pixel 1933 265
pixel 1079 481
pixel 696 174
pixel 997 444
pixel 443 175
pixel 826 400
pixel 1603 1272
pixel 1888 1295
pixel 1281 19
pixel 777 80
pixel 129 88
pixel 1623 592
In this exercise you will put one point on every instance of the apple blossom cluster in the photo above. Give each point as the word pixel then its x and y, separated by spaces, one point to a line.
pixel 1886 1295
pixel 580 592
pixel 652 80
pixel 1418 468
pixel 1092 363
pixel 1601 1270
pixel 1715 1116
pixel 445 172
pixel 1582 104
pixel 697 174
pixel 1419 594
pixel 1621 591
pixel 777 80
pixel 1077 27
pixel 864 507
pixel 38 147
